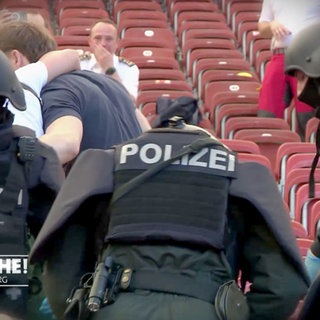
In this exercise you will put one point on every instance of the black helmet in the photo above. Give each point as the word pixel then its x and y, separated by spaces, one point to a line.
pixel 10 87
pixel 303 52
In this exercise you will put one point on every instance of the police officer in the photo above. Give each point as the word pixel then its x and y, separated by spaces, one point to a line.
pixel 103 43
pixel 303 61
pixel 30 177
pixel 168 219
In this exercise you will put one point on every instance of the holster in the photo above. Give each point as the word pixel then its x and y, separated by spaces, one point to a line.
pixel 231 303
pixel 77 307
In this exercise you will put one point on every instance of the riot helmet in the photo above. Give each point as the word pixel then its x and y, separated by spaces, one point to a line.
pixel 303 54
pixel 10 87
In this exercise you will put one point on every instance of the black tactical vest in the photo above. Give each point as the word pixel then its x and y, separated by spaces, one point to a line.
pixel 184 203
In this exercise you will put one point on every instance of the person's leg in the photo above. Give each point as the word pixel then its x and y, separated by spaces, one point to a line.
pixel 273 88
pixel 303 110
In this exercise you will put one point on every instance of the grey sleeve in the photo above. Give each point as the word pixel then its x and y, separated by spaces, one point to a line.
pixel 276 286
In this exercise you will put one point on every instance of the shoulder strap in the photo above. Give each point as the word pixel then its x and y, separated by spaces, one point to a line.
pixel 194 147
pixel 14 182
pixel 26 87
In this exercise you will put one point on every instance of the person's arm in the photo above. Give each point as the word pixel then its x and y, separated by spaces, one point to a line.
pixel 143 121
pixel 60 61
pixel 64 135
pixel 276 286
pixel 272 29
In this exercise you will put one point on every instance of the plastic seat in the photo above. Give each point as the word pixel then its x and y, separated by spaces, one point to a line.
pixel 256 48
pixel 214 88
pixel 75 42
pixel 36 4
pixel 294 179
pixel 147 48
pixel 194 24
pixel 155 62
pixel 87 22
pixel 285 151
pixel 235 124
pixel 205 64
pixel 228 111
pixel 124 24
pixel 236 7
pixel 303 207
pixel 157 84
pixel 81 4
pixel 221 98
pixel 243 146
pixel 166 74
pixel 190 6
pixel 238 79
pixel 142 14
pixel 311 129
pixel 96 14
pixel 268 140
pixel 298 229
pixel 213 44
pixel 134 5
pixel 205 53
pixel 157 34
pixel 152 96
pixel 200 16
pixel 251 37
pixel 208 34
pixel 76 31
pixel 245 20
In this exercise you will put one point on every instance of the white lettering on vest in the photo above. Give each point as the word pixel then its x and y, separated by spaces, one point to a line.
pixel 152 153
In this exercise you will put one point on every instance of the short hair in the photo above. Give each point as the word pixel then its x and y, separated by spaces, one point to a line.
pixel 105 20
pixel 31 40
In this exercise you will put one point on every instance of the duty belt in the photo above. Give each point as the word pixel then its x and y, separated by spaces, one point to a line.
pixel 109 279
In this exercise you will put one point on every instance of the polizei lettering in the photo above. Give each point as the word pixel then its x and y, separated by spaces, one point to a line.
pixel 152 153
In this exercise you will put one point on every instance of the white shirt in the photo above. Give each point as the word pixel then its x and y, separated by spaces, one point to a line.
pixel 35 75
pixel 295 15
pixel 128 71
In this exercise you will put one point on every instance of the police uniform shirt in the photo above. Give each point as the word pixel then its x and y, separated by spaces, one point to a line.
pixel 127 71
pixel 31 117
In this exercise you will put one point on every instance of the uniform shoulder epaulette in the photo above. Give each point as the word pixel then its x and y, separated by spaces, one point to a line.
pixel 85 56
pixel 127 62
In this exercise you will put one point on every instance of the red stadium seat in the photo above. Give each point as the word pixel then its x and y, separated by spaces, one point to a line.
pixel 243 146
pixel 178 85
pixel 158 34
pixel 217 88
pixel 194 24
pixel 285 151
pixel 152 96
pixel 166 74
pixel 268 140
pixel 205 53
pixel 235 124
pixel 236 82
pixel 228 111
pixel 208 34
pixel 200 16
pixel 134 5
pixel 311 129
pixel 293 180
